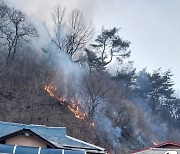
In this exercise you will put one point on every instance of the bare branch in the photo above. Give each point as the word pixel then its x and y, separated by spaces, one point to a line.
pixel 14 27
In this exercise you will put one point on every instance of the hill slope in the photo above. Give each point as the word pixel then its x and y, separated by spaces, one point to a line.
pixel 39 108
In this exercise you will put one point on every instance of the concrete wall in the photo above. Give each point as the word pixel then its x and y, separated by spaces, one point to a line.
pixel 23 140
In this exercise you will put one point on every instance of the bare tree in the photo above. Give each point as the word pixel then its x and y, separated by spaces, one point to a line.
pixel 58 16
pixel 70 35
pixel 4 11
pixel 95 91
pixel 14 28
pixel 80 33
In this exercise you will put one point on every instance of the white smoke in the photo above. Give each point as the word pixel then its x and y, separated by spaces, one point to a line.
pixel 112 133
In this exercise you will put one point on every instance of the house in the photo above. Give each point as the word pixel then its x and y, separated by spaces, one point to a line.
pixel 163 148
pixel 37 139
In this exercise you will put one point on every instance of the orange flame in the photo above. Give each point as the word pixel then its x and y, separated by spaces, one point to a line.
pixel 74 107
pixel 51 90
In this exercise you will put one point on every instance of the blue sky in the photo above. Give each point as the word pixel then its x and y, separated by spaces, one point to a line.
pixel 152 26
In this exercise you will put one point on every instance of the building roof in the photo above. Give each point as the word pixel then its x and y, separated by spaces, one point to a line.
pixel 24 131
pixel 161 148
pixel 55 135
pixel 161 145
pixel 13 149
pixel 160 151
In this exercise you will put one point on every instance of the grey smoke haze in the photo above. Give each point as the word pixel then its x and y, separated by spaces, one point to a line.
pixel 42 9
pixel 113 134
pixel 63 61
pixel 151 25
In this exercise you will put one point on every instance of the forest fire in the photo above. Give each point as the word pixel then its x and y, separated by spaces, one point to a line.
pixel 50 90
pixel 76 109
pixel 74 106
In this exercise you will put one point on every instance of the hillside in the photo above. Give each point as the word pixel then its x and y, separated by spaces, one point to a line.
pixel 39 108
pixel 64 75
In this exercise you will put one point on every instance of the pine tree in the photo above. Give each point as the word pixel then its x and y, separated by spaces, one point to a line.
pixel 94 63
pixel 108 45
pixel 126 77
pixel 161 88
pixel 142 84
pixel 155 89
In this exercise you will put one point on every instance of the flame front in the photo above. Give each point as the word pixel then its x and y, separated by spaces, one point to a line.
pixel 51 91
pixel 75 107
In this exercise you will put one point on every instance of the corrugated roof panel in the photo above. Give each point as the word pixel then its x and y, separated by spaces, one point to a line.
pixel 32 150
pixel 51 151
pixel 6 148
pixel 26 150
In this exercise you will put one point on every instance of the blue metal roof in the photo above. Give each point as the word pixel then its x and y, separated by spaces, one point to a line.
pixel 55 135
pixel 11 149
pixel 47 132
